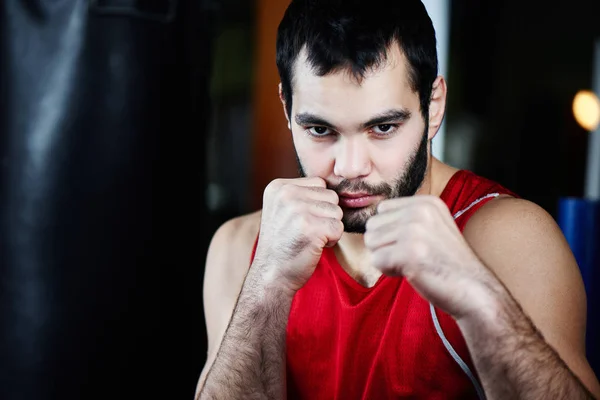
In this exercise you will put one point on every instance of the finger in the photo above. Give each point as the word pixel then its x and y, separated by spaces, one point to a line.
pixel 433 208
pixel 334 229
pixel 393 204
pixel 387 260
pixel 384 235
pixel 287 187
pixel 314 181
pixel 408 201
pixel 395 217
pixel 321 194
pixel 325 209
pixel 294 193
pixel 423 208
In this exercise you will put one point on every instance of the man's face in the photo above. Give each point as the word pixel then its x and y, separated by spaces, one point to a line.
pixel 367 140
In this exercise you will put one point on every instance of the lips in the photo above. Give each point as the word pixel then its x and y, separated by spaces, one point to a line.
pixel 354 195
pixel 356 200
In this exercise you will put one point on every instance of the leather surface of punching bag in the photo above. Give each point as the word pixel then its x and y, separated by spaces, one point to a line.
pixel 103 108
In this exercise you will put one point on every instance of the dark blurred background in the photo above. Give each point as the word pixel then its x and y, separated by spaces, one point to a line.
pixel 131 130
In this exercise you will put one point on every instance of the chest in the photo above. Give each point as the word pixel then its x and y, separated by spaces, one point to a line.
pixel 350 342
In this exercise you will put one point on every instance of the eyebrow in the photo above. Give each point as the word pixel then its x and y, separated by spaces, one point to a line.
pixel 386 117
pixel 395 115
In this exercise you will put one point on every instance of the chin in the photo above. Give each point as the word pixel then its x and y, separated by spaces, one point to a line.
pixel 355 220
pixel 355 226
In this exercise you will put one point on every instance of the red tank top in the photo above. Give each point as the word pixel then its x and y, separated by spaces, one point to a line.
pixel 346 341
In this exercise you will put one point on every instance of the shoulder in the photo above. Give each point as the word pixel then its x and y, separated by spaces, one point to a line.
pixel 228 259
pixel 464 192
pixel 236 232
pixel 507 218
pixel 227 262
pixel 526 249
pixel 507 229
pixel 230 250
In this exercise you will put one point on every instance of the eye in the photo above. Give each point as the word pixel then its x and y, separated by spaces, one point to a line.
pixel 319 131
pixel 384 129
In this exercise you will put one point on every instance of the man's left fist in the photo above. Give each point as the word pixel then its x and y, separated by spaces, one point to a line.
pixel 417 238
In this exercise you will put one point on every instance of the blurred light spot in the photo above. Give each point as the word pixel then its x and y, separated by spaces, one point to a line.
pixel 586 108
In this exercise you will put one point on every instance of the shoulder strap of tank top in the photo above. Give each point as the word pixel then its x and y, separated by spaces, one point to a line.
pixel 476 203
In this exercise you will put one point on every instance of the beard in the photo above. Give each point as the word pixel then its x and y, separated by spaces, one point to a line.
pixel 405 184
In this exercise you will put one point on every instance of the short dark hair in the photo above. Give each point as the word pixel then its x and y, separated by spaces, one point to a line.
pixel 355 35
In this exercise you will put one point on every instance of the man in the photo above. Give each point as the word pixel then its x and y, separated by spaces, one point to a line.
pixel 383 273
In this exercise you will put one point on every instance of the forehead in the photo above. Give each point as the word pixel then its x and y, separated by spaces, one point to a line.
pixel 341 94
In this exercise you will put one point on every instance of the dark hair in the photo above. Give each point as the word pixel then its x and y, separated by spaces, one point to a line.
pixel 355 35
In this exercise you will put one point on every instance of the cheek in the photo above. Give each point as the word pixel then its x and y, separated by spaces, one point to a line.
pixel 391 156
pixel 316 158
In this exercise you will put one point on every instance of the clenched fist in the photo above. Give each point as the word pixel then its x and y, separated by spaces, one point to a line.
pixel 299 218
pixel 416 237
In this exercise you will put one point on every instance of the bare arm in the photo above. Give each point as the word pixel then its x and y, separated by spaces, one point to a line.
pixel 227 263
pixel 250 363
pixel 510 264
pixel 529 342
pixel 299 218
pixel 512 357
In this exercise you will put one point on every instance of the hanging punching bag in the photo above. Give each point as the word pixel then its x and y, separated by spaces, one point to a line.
pixel 103 108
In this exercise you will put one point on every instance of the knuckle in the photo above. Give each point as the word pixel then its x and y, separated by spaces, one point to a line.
pixel 274 184
pixel 340 227
pixel 382 206
pixel 319 181
pixel 339 213
pixel 272 188
pixel 334 196
pixel 287 193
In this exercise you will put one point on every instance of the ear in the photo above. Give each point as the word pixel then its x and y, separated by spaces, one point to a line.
pixel 284 107
pixel 437 106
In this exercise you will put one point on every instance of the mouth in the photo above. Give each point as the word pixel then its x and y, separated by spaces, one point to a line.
pixel 357 200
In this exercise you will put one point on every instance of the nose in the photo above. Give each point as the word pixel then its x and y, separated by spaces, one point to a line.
pixel 352 158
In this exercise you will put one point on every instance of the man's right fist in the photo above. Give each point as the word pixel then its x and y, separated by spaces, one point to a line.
pixel 299 218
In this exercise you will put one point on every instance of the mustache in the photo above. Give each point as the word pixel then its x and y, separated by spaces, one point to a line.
pixel 382 189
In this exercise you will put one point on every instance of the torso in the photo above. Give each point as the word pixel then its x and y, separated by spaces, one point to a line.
pixel 375 337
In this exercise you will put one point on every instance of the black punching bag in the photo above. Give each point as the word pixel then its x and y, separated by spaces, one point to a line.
pixel 102 112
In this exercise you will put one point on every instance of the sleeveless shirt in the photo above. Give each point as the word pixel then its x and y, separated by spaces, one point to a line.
pixel 346 341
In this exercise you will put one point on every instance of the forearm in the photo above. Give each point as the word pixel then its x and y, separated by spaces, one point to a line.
pixel 511 356
pixel 250 363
